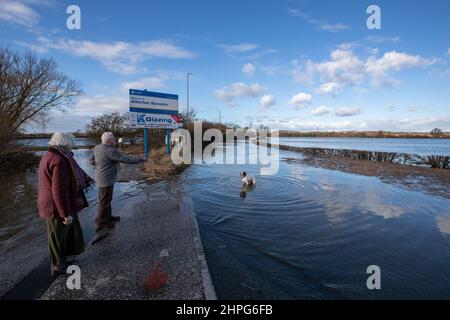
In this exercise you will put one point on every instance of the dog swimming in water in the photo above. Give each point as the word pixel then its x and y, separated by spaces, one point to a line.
pixel 247 180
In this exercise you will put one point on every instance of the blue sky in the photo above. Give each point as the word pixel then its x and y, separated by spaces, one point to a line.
pixel 307 65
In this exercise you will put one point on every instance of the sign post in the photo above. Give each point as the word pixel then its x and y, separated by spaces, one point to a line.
pixel 167 141
pixel 146 142
pixel 154 110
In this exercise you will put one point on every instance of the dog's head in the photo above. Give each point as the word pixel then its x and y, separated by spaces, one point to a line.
pixel 243 174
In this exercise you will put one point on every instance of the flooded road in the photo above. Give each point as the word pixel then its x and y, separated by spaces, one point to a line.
pixel 308 232
pixel 305 232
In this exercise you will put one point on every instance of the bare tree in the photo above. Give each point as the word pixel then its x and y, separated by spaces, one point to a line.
pixel 108 122
pixel 436 131
pixel 30 89
pixel 116 123
pixel 190 115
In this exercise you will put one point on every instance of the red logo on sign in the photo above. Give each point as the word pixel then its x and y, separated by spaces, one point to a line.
pixel 177 117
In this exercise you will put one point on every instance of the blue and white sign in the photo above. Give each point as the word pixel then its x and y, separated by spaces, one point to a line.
pixel 144 101
pixel 155 121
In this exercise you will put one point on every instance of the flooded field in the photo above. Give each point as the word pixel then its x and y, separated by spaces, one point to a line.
pixel 311 233
pixel 305 232
pixel 423 147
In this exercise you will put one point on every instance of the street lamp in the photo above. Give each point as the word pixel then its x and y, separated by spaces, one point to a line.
pixel 187 85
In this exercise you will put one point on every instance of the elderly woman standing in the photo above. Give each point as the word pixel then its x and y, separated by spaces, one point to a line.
pixel 61 196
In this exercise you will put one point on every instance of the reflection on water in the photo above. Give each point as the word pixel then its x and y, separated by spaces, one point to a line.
pixel 311 233
pixel 247 188
pixel 443 223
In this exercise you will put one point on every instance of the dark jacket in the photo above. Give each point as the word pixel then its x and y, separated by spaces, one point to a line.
pixel 55 196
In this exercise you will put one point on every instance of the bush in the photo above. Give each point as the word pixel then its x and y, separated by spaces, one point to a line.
pixel 18 160
pixel 441 162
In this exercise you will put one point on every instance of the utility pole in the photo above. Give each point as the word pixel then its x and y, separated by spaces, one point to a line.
pixel 187 89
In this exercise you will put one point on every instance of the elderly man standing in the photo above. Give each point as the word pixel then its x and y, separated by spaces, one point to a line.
pixel 106 160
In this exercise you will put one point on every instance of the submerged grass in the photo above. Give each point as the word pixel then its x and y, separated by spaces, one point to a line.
pixel 432 161
pixel 159 165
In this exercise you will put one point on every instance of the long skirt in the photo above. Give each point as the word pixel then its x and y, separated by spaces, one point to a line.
pixel 64 240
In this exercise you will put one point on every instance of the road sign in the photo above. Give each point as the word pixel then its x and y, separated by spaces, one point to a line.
pixel 153 110
pixel 144 101
pixel 156 121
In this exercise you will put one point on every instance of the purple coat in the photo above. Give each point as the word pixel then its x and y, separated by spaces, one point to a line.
pixel 55 196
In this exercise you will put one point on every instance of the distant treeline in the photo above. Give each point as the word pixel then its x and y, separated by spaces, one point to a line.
pixel 284 133
pixel 47 135
pixel 363 134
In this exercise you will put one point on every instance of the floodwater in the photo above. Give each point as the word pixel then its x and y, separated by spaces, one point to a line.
pixel 311 233
pixel 44 142
pixel 423 147
pixel 305 232
pixel 23 238
pixel 19 221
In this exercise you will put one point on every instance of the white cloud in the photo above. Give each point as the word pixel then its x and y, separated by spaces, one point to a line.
pixel 318 24
pixel 360 91
pixel 300 124
pixel 268 101
pixel 373 51
pixel 248 69
pixel 344 68
pixel 238 48
pixel 347 112
pixel 408 124
pixel 381 39
pixel 378 68
pixel 120 57
pixel 329 88
pixel 18 12
pixel 144 83
pixel 300 100
pixel 391 107
pixel 320 111
pixel 297 13
pixel 333 27
pixel 347 69
pixel 272 70
pixel 239 89
pixel 96 104
pixel 385 124
pixel 259 54
pixel 303 73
